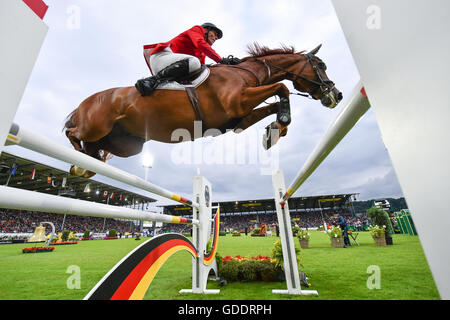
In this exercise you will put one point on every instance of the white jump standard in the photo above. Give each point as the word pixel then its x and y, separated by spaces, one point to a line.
pixel 347 118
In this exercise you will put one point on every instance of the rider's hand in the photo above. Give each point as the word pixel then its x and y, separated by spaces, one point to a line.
pixel 230 60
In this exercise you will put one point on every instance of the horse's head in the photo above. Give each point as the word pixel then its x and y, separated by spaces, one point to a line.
pixel 305 70
pixel 308 75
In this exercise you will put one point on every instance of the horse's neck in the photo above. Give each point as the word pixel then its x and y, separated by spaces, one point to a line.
pixel 279 65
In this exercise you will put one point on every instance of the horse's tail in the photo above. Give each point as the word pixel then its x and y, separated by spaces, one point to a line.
pixel 70 123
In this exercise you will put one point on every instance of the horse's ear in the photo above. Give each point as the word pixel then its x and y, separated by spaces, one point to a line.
pixel 315 50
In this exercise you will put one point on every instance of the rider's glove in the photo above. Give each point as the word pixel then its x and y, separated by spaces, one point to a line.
pixel 230 60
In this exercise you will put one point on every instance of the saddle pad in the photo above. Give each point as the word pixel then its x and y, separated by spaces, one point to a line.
pixel 173 85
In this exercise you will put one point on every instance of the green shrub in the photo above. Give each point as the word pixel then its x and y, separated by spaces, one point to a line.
pixel 65 235
pixel 269 272
pixel 112 233
pixel 378 217
pixel 277 254
pixel 230 271
pixel 248 270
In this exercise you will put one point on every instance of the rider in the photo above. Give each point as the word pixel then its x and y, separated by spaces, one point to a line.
pixel 180 56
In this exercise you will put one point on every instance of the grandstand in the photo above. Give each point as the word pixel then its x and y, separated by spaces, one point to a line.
pixel 22 173
pixel 26 174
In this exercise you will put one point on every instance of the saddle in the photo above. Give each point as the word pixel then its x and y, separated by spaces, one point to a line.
pixel 189 84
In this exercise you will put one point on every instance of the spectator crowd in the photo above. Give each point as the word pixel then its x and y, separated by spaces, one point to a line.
pixel 17 221
pixel 311 219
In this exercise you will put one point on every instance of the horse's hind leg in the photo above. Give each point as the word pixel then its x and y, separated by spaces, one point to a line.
pixel 71 134
pixel 121 143
pixel 94 150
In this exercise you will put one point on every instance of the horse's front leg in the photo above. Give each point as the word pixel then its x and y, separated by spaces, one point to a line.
pixel 257 115
pixel 255 96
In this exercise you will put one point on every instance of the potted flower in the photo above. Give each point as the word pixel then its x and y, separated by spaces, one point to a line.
pixel 336 237
pixel 378 235
pixel 303 237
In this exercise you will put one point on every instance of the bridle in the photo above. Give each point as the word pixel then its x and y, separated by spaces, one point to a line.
pixel 325 86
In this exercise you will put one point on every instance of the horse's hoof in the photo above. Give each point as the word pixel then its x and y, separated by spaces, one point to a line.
pixel 271 136
pixel 77 171
pixel 88 174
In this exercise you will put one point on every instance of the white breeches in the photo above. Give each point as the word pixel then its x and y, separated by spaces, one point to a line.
pixel 160 60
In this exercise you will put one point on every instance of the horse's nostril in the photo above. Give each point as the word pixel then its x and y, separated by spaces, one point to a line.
pixel 339 97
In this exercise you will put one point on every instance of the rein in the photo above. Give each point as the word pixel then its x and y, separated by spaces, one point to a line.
pixel 258 83
pixel 297 75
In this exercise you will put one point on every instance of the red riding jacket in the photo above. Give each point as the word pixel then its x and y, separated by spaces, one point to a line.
pixel 190 42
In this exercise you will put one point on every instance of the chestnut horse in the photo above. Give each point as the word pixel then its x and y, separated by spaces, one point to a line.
pixel 119 121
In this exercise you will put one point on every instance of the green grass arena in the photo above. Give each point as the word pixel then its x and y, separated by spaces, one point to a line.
pixel 71 271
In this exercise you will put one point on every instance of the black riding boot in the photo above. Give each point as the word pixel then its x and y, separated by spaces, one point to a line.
pixel 172 72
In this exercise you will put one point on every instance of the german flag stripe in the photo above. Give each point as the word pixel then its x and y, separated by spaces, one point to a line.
pixel 208 259
pixel 141 288
pixel 130 278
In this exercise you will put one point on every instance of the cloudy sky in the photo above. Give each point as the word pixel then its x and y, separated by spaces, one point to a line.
pixel 95 45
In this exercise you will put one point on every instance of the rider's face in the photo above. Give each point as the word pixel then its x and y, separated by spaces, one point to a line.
pixel 211 37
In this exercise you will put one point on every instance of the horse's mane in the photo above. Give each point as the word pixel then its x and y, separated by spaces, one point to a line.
pixel 256 50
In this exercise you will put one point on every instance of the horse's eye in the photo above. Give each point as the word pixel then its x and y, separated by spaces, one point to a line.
pixel 322 66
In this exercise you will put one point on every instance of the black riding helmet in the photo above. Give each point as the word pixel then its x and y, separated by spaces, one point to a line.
pixel 210 26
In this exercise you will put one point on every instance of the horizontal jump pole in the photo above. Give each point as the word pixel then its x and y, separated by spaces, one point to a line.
pixel 38 143
pixel 345 121
pixel 19 199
